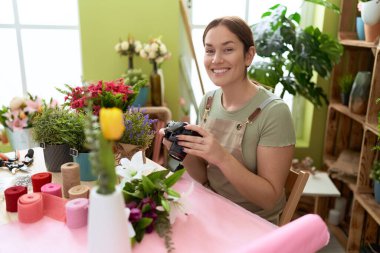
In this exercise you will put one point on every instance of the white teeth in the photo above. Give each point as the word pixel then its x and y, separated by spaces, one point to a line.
pixel 217 71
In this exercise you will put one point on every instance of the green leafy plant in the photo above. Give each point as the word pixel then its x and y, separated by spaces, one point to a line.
pixel 149 199
pixel 345 83
pixel 56 126
pixel 136 79
pixel 291 54
pixel 375 173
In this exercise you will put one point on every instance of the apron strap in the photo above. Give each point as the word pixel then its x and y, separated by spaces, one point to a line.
pixel 260 108
pixel 208 107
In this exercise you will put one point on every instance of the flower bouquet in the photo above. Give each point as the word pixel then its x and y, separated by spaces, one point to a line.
pixel 101 94
pixel 152 203
pixel 155 51
pixel 138 134
pixel 129 48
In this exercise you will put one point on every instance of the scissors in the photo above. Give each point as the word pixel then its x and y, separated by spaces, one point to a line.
pixel 14 165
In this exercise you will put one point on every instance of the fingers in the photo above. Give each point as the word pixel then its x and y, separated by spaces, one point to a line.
pixel 197 129
pixel 161 131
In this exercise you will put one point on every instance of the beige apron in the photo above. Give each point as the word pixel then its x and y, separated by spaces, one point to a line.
pixel 230 134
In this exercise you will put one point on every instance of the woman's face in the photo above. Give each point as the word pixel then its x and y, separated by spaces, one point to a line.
pixel 224 58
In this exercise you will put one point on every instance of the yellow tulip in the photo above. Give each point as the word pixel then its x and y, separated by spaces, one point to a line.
pixel 111 123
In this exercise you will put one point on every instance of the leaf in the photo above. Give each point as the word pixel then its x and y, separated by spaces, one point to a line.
pixel 165 204
pixel 172 179
pixel 148 185
pixel 173 193
pixel 143 223
pixel 161 174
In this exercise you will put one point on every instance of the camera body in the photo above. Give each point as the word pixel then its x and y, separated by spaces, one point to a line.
pixel 171 131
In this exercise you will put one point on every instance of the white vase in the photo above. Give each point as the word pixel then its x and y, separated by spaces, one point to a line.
pixel 21 139
pixel 371 12
pixel 108 223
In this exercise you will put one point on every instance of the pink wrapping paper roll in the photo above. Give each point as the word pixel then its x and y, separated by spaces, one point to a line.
pixel 306 234
pixel 53 189
pixel 77 212
pixel 30 208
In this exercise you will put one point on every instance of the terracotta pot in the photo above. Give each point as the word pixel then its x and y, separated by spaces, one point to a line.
pixel 371 32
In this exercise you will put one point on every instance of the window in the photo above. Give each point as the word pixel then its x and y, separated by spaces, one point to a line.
pixel 40 48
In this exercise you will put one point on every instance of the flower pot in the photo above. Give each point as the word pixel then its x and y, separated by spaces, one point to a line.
pixel 86 173
pixel 21 139
pixel 345 98
pixel 376 190
pixel 108 223
pixel 142 97
pixel 371 32
pixel 360 92
pixel 56 155
pixel 371 12
pixel 360 28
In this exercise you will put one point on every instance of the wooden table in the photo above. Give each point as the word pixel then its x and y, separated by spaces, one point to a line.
pixel 321 187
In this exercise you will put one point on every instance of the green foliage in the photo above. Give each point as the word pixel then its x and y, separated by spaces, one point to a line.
pixel 345 83
pixel 136 79
pixel 59 126
pixel 375 173
pixel 326 4
pixel 148 193
pixel 291 54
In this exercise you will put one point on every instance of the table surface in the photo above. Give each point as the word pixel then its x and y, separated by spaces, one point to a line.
pixel 213 223
pixel 320 185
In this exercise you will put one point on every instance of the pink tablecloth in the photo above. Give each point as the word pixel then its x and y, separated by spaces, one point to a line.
pixel 214 225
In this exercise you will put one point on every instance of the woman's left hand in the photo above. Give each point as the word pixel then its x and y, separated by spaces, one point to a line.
pixel 204 146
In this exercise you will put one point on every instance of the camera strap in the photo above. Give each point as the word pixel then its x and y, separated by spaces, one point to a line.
pixel 261 107
pixel 208 107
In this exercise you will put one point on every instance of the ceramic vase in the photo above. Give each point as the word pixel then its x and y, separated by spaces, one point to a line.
pixel 360 28
pixel 86 173
pixel 21 139
pixel 156 86
pixel 360 92
pixel 371 12
pixel 142 97
pixel 108 223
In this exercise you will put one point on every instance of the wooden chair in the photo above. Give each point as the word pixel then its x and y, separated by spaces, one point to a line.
pixel 294 185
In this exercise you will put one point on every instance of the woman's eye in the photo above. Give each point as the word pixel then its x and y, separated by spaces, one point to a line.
pixel 209 51
pixel 228 50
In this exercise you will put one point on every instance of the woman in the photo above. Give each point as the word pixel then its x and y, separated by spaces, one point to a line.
pixel 248 137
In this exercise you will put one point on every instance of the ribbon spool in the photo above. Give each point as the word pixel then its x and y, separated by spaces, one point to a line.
pixel 12 194
pixel 53 189
pixel 77 212
pixel 40 179
pixel 30 208
pixel 79 191
pixel 70 176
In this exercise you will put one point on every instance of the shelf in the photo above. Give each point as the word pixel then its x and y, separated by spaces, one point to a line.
pixel 348 180
pixel 344 110
pixel 369 204
pixel 372 128
pixel 358 43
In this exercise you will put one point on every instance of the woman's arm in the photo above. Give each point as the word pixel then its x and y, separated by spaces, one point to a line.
pixel 273 163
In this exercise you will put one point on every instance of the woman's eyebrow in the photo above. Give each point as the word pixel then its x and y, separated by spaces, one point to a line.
pixel 224 43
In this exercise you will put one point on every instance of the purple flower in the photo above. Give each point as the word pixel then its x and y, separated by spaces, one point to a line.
pixel 135 215
pixel 131 204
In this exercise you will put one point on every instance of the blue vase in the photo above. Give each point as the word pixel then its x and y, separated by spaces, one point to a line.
pixel 85 167
pixel 377 191
pixel 360 28
pixel 142 97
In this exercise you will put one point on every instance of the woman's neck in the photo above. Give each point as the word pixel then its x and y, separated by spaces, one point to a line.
pixel 236 96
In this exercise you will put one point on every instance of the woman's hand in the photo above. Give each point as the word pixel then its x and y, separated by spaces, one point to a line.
pixel 166 143
pixel 206 146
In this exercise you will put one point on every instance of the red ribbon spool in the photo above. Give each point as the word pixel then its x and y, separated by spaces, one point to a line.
pixel 12 194
pixel 40 179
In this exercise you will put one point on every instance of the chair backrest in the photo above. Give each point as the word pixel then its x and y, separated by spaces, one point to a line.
pixel 295 183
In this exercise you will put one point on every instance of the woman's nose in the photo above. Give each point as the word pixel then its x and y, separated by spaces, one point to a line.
pixel 217 58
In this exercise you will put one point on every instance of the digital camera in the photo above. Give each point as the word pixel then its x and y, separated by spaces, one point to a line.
pixel 171 131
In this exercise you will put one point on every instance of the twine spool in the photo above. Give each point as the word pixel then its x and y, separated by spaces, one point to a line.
pixel 40 179
pixel 30 208
pixel 77 212
pixel 12 194
pixel 79 191
pixel 53 189
pixel 70 176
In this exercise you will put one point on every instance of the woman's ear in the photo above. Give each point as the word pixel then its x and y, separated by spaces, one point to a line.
pixel 250 55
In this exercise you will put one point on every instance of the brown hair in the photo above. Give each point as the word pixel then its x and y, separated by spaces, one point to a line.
pixel 235 25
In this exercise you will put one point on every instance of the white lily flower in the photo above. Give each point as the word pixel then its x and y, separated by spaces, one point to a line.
pixel 180 207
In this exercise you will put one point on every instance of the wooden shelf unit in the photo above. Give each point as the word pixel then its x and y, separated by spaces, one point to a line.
pixel 347 130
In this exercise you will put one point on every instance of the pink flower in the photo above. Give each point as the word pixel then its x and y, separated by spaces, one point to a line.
pixel 19 124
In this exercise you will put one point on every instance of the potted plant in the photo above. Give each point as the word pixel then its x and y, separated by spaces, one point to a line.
pixel 57 130
pixel 139 83
pixel 17 120
pixel 370 12
pixel 292 54
pixel 375 175
pixel 138 134
pixel 345 84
